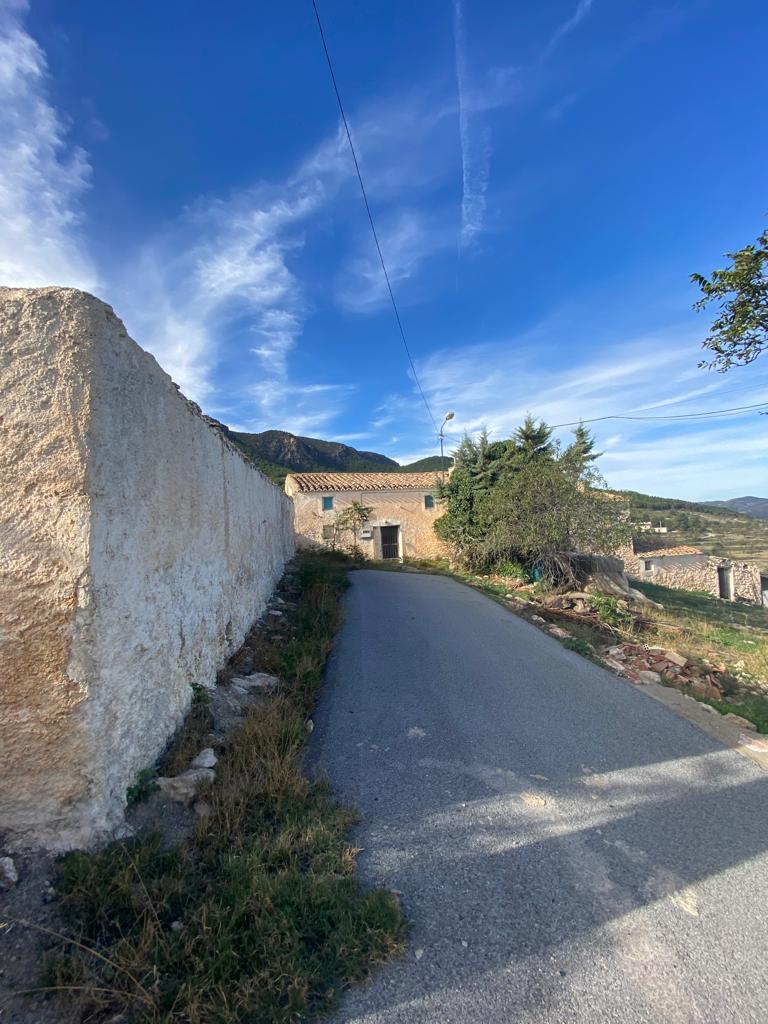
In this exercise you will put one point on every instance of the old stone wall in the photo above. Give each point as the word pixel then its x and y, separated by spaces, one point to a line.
pixel 137 546
pixel 702 574
pixel 390 508
pixel 746 582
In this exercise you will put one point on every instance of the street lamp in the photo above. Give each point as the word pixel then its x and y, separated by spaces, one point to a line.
pixel 441 435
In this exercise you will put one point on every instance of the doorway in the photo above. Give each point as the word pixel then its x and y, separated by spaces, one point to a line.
pixel 725 582
pixel 390 541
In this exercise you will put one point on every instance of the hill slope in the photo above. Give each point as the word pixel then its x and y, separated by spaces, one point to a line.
pixel 277 453
pixel 429 463
pixel 714 528
pixel 748 505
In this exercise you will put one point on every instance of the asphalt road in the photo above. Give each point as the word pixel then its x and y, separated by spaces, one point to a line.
pixel 567 849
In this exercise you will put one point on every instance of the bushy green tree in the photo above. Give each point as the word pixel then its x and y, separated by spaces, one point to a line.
pixel 525 500
pixel 580 455
pixel 533 440
pixel 740 290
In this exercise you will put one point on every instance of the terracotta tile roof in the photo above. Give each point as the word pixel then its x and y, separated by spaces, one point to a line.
pixel 363 481
pixel 682 549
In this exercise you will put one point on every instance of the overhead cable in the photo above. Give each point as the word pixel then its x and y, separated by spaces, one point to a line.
pixel 370 215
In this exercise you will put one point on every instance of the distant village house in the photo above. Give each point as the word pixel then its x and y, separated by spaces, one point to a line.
pixel 404 507
pixel 687 568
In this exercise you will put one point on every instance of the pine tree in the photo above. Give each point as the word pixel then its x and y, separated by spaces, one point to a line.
pixel 580 454
pixel 532 440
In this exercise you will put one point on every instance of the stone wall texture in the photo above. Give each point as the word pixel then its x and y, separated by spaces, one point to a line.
pixel 692 573
pixel 137 546
pixel 403 508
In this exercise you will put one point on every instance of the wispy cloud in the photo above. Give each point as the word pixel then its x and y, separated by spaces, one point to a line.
pixel 349 438
pixel 475 139
pixel 42 179
pixel 494 384
pixel 565 28
pixel 408 238
pixel 227 267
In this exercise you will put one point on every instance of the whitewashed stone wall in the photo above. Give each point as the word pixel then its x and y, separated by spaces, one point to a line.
pixel 137 546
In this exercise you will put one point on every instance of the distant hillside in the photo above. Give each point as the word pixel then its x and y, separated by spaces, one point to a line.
pixel 277 453
pixel 714 528
pixel 426 465
pixel 748 506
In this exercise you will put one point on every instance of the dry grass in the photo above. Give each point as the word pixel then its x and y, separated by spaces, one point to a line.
pixel 700 626
pixel 260 917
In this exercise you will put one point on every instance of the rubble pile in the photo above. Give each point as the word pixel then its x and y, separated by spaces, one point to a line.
pixel 644 664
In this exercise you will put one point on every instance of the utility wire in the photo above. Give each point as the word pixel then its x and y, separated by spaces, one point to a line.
pixel 686 416
pixel 370 215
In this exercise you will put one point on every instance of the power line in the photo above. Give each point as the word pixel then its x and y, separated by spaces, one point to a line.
pixel 686 416
pixel 370 215
pixel 680 416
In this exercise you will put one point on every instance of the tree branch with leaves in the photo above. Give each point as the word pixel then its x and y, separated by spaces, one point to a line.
pixel 352 519
pixel 740 332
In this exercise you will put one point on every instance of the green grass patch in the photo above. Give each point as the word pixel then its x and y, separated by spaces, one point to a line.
pixel 704 606
pixel 699 625
pixel 143 787
pixel 191 737
pixel 582 647
pixel 753 707
pixel 611 611
pixel 259 917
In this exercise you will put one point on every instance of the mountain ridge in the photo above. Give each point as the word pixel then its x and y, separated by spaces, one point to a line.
pixel 278 452
pixel 749 505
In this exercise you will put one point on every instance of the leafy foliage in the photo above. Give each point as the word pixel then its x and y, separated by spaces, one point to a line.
pixel 352 519
pixel 610 610
pixel 144 786
pixel 525 500
pixel 740 332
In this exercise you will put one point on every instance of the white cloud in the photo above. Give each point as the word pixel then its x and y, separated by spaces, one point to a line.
pixel 407 239
pixel 222 271
pixel 495 384
pixel 475 139
pixel 349 438
pixel 301 408
pixel 41 178
pixel 227 266
pixel 582 10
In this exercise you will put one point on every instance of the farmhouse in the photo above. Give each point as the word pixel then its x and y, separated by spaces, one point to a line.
pixel 402 509
pixel 687 568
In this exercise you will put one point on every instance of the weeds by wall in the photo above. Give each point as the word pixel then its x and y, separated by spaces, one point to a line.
pixel 259 917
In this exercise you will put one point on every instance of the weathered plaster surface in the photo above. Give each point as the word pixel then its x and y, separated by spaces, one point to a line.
pixel 403 508
pixel 138 546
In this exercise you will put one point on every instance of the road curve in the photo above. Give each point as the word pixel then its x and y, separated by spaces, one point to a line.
pixel 567 849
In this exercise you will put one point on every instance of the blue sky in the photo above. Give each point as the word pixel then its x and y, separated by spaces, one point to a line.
pixel 544 177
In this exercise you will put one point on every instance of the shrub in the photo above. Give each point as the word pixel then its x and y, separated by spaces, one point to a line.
pixel 611 610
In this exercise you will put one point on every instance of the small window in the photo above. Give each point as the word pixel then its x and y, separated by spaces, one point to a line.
pixel 328 532
pixel 429 501
pixel 327 504
pixel 647 565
